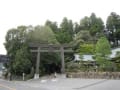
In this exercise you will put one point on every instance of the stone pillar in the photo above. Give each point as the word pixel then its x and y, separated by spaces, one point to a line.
pixel 62 61
pixel 36 76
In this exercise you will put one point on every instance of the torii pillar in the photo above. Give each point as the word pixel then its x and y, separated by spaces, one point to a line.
pixel 62 60
pixel 36 76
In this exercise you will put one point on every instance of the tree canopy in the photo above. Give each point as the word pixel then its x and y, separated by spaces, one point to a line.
pixel 42 34
pixel 103 47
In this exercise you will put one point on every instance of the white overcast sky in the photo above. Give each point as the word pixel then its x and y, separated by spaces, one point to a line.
pixel 35 12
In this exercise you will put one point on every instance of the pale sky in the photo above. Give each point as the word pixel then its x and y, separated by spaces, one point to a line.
pixel 14 13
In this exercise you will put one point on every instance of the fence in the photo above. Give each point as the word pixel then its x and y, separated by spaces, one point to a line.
pixel 94 75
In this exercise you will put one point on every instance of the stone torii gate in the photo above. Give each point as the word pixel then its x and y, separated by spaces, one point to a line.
pixel 39 48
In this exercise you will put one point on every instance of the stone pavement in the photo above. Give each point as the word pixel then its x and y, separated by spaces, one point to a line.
pixel 73 84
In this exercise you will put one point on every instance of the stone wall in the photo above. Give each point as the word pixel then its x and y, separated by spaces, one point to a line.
pixel 94 75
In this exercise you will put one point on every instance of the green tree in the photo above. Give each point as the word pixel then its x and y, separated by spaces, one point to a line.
pixel 102 52
pixel 22 63
pixel 93 24
pixel 65 34
pixel 52 25
pixel 14 40
pixel 76 28
pixel 42 34
pixel 113 26
pixel 84 35
pixel 85 23
pixel 86 49
pixel 96 25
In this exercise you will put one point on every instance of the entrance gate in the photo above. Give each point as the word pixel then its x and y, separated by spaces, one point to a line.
pixel 38 48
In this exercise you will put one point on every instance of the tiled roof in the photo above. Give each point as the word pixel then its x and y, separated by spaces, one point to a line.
pixel 89 57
